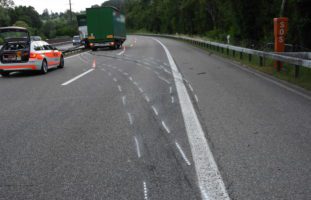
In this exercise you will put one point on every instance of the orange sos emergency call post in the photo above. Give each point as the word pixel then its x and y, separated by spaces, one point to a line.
pixel 280 32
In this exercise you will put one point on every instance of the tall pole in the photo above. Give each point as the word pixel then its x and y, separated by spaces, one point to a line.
pixel 70 11
pixel 282 8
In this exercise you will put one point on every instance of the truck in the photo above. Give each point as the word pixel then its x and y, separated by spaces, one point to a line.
pixel 102 27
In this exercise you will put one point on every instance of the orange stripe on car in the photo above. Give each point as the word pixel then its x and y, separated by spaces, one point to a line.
pixel 33 67
pixel 49 55
pixel 36 55
pixel 53 63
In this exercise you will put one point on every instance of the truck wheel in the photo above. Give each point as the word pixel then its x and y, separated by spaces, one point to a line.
pixel 5 74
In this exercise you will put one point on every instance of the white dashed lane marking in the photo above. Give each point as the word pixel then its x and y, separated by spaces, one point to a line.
pixel 77 77
pixel 124 100
pixel 173 99
pixel 145 191
pixel 147 98
pixel 137 147
pixel 129 115
pixel 165 127
pixel 120 88
pixel 141 90
pixel 196 98
pixel 191 88
pixel 155 110
pixel 182 154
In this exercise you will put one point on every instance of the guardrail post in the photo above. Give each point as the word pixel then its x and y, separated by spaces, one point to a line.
pixel 233 53
pixel 227 51
pixel 222 50
pixel 249 57
pixel 297 70
pixel 241 55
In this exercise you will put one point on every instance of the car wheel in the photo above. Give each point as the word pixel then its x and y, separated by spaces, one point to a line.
pixel 5 74
pixel 44 67
pixel 62 62
pixel 94 49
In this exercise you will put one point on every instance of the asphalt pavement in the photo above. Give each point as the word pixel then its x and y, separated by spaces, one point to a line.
pixel 127 124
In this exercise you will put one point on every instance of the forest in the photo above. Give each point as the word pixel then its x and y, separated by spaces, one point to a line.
pixel 249 23
pixel 46 24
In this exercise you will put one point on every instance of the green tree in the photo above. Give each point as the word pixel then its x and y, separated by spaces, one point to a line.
pixel 21 24
pixel 4 17
pixel 6 3
pixel 27 14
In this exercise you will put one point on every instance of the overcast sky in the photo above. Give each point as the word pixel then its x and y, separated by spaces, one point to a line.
pixel 58 5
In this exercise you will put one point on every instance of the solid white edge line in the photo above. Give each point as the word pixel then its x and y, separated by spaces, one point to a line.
pixel 182 153
pixel 209 179
pixel 137 147
pixel 77 77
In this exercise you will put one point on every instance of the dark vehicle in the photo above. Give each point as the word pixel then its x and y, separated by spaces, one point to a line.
pixel 105 27
pixel 76 40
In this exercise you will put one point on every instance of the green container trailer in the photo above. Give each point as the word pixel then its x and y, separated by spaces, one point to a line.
pixel 105 27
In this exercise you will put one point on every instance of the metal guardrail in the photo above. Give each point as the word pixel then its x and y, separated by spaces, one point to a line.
pixel 298 62
pixel 73 50
pixel 303 55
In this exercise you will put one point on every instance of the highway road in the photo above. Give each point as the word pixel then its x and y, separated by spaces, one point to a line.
pixel 160 119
